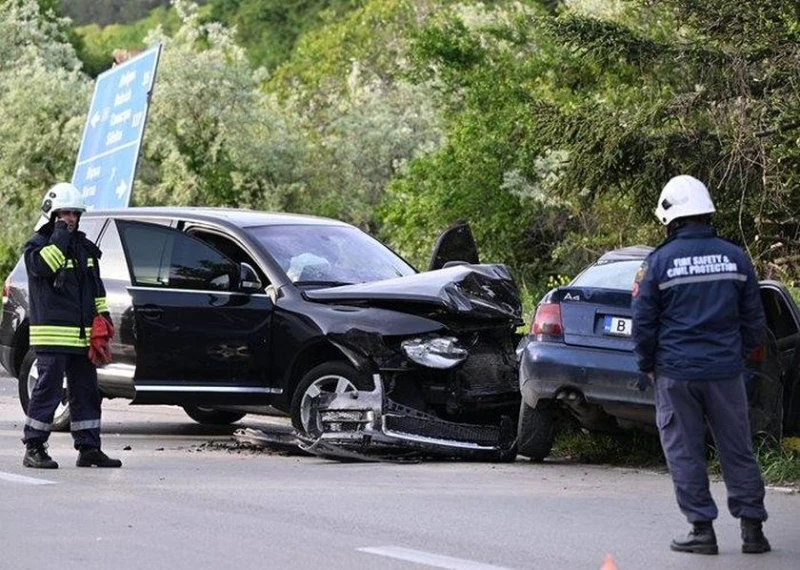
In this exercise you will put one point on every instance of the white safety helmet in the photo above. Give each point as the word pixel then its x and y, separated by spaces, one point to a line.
pixel 683 196
pixel 62 196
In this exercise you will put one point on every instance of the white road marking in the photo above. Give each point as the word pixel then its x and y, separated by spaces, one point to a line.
pixel 427 558
pixel 24 480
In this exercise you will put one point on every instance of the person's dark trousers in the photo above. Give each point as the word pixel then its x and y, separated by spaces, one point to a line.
pixel 682 408
pixel 84 399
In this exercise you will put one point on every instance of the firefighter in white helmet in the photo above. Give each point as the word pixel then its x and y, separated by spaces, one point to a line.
pixel 697 316
pixel 66 293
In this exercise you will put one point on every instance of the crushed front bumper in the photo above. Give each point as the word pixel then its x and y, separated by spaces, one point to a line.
pixel 367 422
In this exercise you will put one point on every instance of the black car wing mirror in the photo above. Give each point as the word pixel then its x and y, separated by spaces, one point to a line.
pixel 455 246
pixel 248 279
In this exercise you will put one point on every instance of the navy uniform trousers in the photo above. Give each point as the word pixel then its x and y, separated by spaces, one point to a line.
pixel 682 408
pixel 84 398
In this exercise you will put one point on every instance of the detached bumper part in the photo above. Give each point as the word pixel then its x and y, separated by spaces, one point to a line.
pixel 365 421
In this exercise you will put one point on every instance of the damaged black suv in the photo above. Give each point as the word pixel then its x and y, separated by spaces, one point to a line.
pixel 226 312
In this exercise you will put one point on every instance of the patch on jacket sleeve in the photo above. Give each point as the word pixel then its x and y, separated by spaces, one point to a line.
pixel 638 279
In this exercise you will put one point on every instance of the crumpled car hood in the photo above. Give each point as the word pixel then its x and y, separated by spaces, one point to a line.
pixel 480 291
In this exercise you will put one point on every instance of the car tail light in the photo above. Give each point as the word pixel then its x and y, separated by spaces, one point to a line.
pixel 547 321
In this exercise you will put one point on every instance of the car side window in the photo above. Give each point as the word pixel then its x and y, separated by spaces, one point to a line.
pixel 112 262
pixel 164 257
pixel 229 248
pixel 779 315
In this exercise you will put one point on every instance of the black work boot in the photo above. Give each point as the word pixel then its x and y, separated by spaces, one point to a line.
pixel 36 456
pixel 93 457
pixel 700 540
pixel 753 539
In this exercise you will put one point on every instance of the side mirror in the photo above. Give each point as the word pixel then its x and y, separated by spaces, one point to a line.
pixel 248 279
pixel 455 246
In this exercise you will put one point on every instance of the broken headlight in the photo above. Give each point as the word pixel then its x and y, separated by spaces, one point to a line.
pixel 436 352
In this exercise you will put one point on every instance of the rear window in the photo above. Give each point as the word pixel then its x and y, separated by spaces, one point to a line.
pixel 613 275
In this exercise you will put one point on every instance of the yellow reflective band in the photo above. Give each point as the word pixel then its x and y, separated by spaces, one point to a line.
pixel 100 304
pixel 51 335
pixel 71 265
pixel 52 256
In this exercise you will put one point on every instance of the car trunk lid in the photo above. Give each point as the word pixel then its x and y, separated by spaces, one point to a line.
pixel 599 318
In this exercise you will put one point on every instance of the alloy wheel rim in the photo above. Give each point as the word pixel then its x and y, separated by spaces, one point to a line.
pixel 331 384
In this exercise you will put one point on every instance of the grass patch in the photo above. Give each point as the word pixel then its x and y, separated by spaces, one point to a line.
pixel 780 465
pixel 626 449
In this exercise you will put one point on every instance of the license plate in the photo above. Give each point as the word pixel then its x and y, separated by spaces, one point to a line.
pixel 617 325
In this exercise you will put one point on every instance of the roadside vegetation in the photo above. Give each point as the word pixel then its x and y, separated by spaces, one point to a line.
pixel 549 125
pixel 780 464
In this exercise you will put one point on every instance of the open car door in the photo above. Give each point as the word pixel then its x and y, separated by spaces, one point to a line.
pixel 200 337
pixel 783 321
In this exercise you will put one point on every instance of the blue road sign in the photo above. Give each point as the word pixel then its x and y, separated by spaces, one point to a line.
pixel 113 133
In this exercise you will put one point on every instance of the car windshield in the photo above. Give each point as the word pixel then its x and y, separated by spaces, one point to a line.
pixel 610 275
pixel 330 255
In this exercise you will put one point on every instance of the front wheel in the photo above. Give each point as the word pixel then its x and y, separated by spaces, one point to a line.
pixel 331 378
pixel 210 416
pixel 537 432
pixel 28 376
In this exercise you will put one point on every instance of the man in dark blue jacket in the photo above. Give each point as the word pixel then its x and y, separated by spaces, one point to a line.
pixel 66 293
pixel 697 315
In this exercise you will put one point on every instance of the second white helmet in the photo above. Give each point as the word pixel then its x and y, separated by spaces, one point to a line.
pixel 62 196
pixel 681 197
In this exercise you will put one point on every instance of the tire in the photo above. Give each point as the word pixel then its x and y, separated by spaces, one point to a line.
pixel 28 375
pixel 210 416
pixel 338 377
pixel 537 430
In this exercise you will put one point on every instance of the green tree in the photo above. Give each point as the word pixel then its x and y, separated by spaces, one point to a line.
pixel 43 96
pixel 270 29
pixel 213 138
pixel 363 120
pixel 583 115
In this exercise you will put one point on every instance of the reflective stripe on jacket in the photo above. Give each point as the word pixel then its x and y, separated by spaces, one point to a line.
pixel 697 310
pixel 65 289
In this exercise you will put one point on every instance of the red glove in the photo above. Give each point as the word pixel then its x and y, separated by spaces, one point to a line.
pixel 100 340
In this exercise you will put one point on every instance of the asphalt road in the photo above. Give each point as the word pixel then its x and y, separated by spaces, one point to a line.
pixel 187 497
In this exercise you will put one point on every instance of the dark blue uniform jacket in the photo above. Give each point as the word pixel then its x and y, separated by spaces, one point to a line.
pixel 697 310
pixel 65 289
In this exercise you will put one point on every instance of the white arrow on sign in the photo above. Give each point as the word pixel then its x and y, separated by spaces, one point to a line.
pixel 121 188
pixel 95 119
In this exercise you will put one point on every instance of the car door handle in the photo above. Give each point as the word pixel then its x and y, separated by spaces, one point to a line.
pixel 154 314
pixel 151 312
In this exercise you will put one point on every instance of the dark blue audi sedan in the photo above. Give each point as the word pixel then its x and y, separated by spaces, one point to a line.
pixel 577 362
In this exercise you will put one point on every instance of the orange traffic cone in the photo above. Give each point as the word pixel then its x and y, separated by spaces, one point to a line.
pixel 609 564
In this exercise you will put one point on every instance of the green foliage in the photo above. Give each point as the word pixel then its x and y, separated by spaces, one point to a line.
pixel 549 126
pixel 487 80
pixel 362 123
pixel 213 138
pixel 105 12
pixel 780 465
pixel 269 29
pixel 374 35
pixel 42 99
pixel 626 449
pixel 96 44
pixel 583 117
